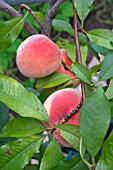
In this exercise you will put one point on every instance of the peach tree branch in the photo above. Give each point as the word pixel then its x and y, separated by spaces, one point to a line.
pixel 78 53
pixel 42 26
pixel 51 13
pixel 12 12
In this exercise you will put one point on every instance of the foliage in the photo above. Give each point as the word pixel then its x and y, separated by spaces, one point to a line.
pixel 21 104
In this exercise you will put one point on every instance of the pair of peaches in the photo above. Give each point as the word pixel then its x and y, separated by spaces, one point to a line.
pixel 37 57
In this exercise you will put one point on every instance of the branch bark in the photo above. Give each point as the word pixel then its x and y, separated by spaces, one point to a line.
pixel 42 26
pixel 51 13
pixel 19 2
pixel 12 12
pixel 78 53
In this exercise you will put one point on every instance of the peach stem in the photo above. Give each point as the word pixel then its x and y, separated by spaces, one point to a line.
pixel 42 26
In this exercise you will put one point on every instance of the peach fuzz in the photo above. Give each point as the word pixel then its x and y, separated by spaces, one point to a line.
pixel 38 56
pixel 58 105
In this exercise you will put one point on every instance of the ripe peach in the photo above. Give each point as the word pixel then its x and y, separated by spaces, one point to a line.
pixel 58 105
pixel 38 56
pixel 61 69
pixel 67 61
pixel 65 57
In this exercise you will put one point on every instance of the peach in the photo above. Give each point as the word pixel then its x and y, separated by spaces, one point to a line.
pixel 67 61
pixel 65 57
pixel 58 105
pixel 38 56
pixel 61 69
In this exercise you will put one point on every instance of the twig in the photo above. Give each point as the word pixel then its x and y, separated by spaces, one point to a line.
pixel 78 53
pixel 11 11
pixel 51 12
pixel 42 26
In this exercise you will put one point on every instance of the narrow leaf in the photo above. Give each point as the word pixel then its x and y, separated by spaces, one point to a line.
pixel 17 98
pixel 83 8
pixel 106 159
pixel 74 163
pixel 106 71
pixel 63 26
pixel 81 72
pixel 53 80
pixel 52 156
pixel 95 68
pixel 102 37
pixel 71 134
pixel 84 52
pixel 41 16
pixel 15 155
pixel 22 127
pixel 71 50
pixel 9 31
pixel 99 49
pixel 95 118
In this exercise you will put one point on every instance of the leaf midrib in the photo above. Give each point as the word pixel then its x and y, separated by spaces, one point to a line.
pixel 20 153
pixel 26 104
pixel 83 74
pixel 10 30
pixel 100 37
pixel 45 84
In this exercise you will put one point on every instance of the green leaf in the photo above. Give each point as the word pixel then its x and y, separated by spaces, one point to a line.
pixel 74 163
pixel 109 92
pixel 52 156
pixel 94 69
pixel 106 159
pixel 106 71
pixel 4 114
pixel 53 80
pixel 83 39
pixel 80 166
pixel 17 98
pixel 95 118
pixel 102 37
pixel 99 49
pixel 41 16
pixel 84 53
pixel 9 31
pixel 81 72
pixel 83 8
pixel 63 26
pixel 71 50
pixel 22 127
pixel 15 155
pixel 67 164
pixel 71 134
